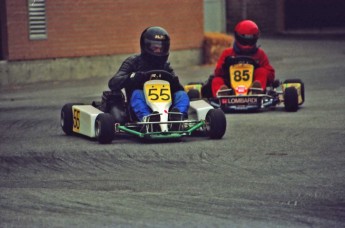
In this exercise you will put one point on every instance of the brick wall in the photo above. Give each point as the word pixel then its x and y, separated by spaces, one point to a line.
pixel 102 27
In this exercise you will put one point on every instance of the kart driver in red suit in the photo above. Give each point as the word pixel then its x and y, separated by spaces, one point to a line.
pixel 246 36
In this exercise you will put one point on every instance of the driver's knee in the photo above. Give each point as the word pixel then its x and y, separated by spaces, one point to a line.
pixel 138 104
pixel 181 101
pixel 119 113
pixel 113 102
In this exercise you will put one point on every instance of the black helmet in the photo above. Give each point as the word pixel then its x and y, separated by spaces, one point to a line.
pixel 155 43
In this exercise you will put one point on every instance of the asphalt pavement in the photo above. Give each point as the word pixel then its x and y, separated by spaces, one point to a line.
pixel 271 169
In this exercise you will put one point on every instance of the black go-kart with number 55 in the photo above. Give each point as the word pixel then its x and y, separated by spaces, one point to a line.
pixel 241 97
pixel 113 116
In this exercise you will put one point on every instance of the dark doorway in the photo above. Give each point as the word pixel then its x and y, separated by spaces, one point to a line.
pixel 3 29
pixel 314 14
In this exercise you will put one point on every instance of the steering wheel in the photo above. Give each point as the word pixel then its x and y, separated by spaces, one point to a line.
pixel 231 60
pixel 160 75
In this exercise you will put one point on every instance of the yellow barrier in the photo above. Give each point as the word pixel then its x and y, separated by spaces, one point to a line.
pixel 214 44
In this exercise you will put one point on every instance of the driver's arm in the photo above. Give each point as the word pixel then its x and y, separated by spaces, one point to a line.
pixel 175 82
pixel 265 67
pixel 122 77
pixel 219 70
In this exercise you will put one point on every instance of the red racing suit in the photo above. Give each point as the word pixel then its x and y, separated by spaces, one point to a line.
pixel 263 73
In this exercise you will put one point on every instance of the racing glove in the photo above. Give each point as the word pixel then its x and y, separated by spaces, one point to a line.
pixel 139 78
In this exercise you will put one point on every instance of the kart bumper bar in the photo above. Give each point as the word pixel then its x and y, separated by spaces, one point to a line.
pixel 162 135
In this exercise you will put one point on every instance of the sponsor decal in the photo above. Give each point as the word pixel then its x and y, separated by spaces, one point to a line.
pixel 224 101
pixel 159 37
pixel 243 100
pixel 241 89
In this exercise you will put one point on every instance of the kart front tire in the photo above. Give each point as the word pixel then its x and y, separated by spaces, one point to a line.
pixel 66 118
pixel 291 99
pixel 104 128
pixel 215 123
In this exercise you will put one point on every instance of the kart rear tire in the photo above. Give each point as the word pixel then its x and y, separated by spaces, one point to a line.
pixel 104 128
pixel 193 94
pixel 215 123
pixel 302 87
pixel 66 118
pixel 291 99
pixel 196 83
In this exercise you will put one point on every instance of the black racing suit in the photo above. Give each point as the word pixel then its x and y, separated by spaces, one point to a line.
pixel 137 63
pixel 134 64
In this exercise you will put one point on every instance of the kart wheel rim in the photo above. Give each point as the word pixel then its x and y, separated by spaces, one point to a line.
pixel 97 128
pixel 208 124
pixel 62 119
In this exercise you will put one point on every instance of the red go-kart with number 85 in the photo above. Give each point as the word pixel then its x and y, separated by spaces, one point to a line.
pixel 241 97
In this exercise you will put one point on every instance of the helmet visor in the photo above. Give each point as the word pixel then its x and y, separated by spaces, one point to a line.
pixel 157 48
pixel 246 40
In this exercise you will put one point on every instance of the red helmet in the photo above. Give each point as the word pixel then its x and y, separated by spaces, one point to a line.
pixel 246 35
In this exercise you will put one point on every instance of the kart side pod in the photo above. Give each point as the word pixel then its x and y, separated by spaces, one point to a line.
pixel 86 116
pixel 82 119
pixel 199 109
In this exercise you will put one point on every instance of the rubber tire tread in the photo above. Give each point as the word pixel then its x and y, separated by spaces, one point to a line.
pixel 216 120
pixel 66 110
pixel 302 87
pixel 193 94
pixel 107 130
pixel 291 99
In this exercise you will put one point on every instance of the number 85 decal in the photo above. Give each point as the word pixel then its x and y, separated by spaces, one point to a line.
pixel 241 75
pixel 241 72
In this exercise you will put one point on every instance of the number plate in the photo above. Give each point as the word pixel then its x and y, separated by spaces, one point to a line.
pixel 158 92
pixel 76 120
pixel 241 75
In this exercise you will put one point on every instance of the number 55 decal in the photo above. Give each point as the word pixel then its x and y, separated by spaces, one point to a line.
pixel 76 120
pixel 158 92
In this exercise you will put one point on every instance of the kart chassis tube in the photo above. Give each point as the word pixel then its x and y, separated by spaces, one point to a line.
pixel 174 134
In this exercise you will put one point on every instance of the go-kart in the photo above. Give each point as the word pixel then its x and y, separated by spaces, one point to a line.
pixel 100 121
pixel 241 96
